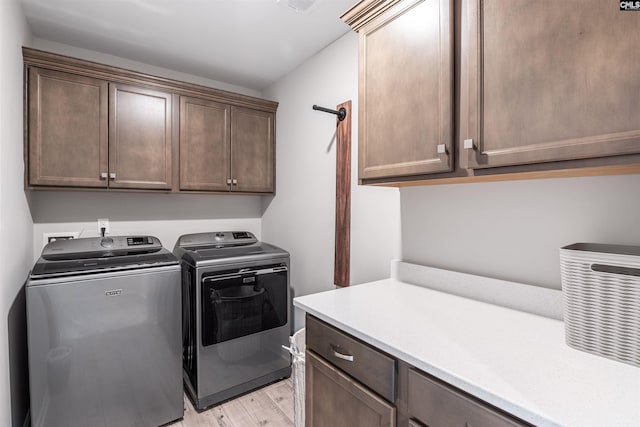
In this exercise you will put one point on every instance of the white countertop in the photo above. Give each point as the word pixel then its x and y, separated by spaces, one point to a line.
pixel 516 361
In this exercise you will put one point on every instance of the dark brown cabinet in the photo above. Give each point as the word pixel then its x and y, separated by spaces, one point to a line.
pixel 68 134
pixel 204 145
pixel 352 384
pixel 225 148
pixel 436 404
pixel 252 150
pixel 546 90
pixel 70 144
pixel 140 139
pixel 348 383
pixel 547 82
pixel 90 125
pixel 334 399
pixel 406 87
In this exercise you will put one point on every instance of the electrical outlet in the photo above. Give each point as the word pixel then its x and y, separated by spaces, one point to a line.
pixel 103 222
pixel 59 235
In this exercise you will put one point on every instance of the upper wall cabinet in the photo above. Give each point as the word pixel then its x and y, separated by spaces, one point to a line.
pixel 225 148
pixel 528 89
pixel 70 144
pixel 204 145
pixel 95 126
pixel 252 150
pixel 406 86
pixel 140 142
pixel 67 129
pixel 548 81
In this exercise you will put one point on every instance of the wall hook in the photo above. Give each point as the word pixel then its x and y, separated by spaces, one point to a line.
pixel 341 113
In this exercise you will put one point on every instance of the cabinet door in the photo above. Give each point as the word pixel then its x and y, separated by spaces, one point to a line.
pixel 67 129
pixel 438 405
pixel 139 138
pixel 547 80
pixel 252 150
pixel 405 93
pixel 335 400
pixel 204 145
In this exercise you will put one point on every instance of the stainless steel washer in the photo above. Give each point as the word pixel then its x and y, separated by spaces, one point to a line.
pixel 236 305
pixel 103 321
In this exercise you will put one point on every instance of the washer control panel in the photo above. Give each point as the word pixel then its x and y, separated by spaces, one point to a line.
pixel 97 247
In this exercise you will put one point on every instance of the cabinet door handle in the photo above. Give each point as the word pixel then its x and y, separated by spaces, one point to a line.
pixel 112 176
pixel 441 149
pixel 228 181
pixel 336 353
pixel 234 182
pixel 469 145
pixel 104 175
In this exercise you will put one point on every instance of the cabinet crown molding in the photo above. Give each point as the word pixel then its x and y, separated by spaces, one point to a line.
pixel 365 11
pixel 52 61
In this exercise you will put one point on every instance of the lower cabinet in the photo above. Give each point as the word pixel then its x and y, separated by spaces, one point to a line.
pixel 352 384
pixel 336 400
pixel 436 404
pixel 348 383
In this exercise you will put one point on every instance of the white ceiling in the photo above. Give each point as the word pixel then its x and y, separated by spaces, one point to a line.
pixel 250 43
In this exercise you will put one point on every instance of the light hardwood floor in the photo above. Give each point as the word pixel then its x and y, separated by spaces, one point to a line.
pixel 269 406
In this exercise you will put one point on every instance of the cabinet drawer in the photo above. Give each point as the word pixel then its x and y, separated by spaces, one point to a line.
pixel 368 365
pixel 439 405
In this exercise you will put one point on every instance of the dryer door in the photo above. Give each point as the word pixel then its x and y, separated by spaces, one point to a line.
pixel 241 302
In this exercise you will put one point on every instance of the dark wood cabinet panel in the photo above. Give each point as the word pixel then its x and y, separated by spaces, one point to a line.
pixel 67 128
pixel 370 366
pixel 252 150
pixel 439 405
pixel 140 138
pixel 550 81
pixel 204 145
pixel 406 90
pixel 335 400
pixel 93 125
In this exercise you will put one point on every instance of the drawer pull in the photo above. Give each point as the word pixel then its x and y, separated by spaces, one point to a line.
pixel 347 357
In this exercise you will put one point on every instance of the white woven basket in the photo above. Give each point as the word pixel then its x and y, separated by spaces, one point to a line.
pixel 601 293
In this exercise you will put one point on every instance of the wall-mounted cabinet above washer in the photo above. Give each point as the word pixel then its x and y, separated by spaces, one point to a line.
pixel 225 148
pixel 92 126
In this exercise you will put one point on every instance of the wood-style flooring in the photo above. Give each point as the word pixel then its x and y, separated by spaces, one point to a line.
pixel 269 406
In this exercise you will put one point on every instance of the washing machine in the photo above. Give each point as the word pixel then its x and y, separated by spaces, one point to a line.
pixel 104 334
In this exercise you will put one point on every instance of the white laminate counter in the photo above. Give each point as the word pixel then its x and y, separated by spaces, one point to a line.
pixel 516 361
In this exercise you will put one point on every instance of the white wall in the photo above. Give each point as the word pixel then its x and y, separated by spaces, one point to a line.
pixel 116 61
pixel 513 230
pixel 301 216
pixel 15 219
pixel 166 216
pixel 167 231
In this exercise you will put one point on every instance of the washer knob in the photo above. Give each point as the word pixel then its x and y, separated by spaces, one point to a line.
pixel 219 236
pixel 106 242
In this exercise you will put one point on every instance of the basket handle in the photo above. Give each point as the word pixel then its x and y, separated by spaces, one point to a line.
pixel 626 271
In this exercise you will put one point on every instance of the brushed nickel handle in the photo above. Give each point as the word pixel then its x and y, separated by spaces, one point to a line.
pixel 441 149
pixel 347 357
pixel 234 182
pixel 112 176
pixel 228 181
pixel 469 145
pixel 104 175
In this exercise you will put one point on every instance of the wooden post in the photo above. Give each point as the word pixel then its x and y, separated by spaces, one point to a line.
pixel 343 199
